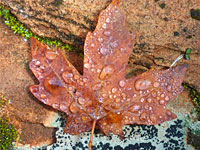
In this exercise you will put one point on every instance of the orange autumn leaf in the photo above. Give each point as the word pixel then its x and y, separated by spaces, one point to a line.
pixel 102 97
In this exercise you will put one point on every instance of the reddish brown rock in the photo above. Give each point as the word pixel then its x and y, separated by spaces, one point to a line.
pixel 164 29
pixel 162 34
pixel 25 112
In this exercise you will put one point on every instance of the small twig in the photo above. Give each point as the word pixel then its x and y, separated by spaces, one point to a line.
pixel 177 59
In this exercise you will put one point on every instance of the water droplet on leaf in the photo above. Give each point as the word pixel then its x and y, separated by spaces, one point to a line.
pixel 51 55
pixel 142 84
pixel 106 72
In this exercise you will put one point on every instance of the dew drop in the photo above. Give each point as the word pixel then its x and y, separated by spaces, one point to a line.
pixel 114 44
pixel 161 101
pixel 93 70
pixel 87 65
pixel 146 106
pixel 158 93
pixel 169 113
pixel 52 85
pixel 85 118
pixel 100 39
pixel 96 86
pixel 92 45
pixel 104 95
pixel 114 90
pixel 85 79
pixel 110 96
pixel 150 108
pixel 142 84
pixel 117 100
pixel 122 83
pixel 34 89
pixel 143 117
pixel 55 106
pixel 149 100
pixel 142 100
pixel 42 67
pixel 81 83
pixel 104 51
pixel 123 95
pixel 126 121
pixel 156 84
pixel 43 96
pixel 90 110
pixel 86 59
pixel 153 118
pixel 51 55
pixel 136 108
pixel 104 26
pixel 44 101
pixel 37 63
pixel 167 98
pixel 169 88
pixel 101 100
pixel 107 20
pixel 106 72
pixel 107 33
pixel 74 108
pixel 162 95
pixel 71 88
pixel 76 77
pixel 67 76
pixel 154 93
pixel 123 50
pixel 81 100
pixel 63 107
pixel 98 70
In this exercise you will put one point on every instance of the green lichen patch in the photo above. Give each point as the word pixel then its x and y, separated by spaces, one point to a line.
pixel 8 134
pixel 19 28
pixel 194 94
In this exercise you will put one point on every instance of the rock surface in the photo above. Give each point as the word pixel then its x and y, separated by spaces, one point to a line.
pixel 26 112
pixel 164 29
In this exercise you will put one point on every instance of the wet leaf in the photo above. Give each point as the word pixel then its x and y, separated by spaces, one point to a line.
pixel 102 97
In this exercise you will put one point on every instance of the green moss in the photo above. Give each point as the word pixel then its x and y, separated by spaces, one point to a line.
pixel 1 101
pixel 187 53
pixel 19 28
pixel 8 134
pixel 194 94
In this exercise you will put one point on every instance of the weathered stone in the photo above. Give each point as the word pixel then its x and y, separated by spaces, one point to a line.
pixel 25 112
pixel 163 32
pixel 164 29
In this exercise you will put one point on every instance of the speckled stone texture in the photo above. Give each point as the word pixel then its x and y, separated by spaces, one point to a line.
pixel 171 135
pixel 166 136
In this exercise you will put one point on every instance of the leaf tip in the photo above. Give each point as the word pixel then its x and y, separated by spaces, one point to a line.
pixel 115 2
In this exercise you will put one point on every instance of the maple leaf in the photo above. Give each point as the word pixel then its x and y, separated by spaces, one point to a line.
pixel 102 96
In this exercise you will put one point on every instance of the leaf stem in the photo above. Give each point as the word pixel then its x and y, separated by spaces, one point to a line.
pixel 91 136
